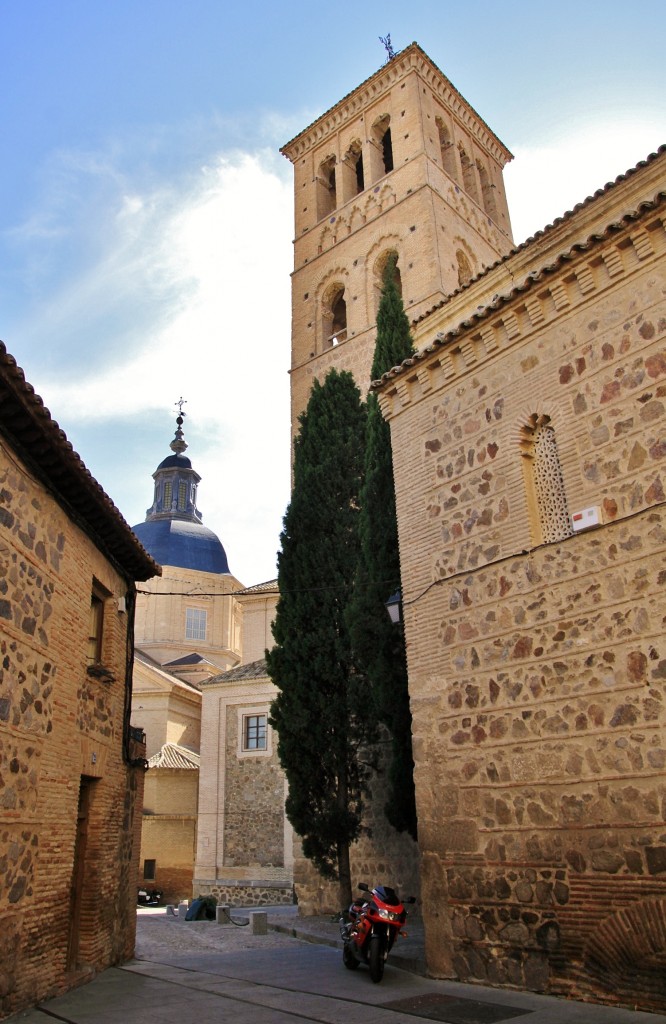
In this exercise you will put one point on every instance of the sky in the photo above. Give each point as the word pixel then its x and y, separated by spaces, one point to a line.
pixel 146 214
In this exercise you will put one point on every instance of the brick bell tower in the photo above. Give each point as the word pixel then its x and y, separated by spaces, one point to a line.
pixel 401 165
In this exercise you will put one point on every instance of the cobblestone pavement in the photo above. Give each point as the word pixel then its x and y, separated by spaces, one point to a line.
pixel 202 972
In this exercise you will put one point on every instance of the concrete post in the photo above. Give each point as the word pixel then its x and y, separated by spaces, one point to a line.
pixel 259 919
pixel 183 907
pixel 222 915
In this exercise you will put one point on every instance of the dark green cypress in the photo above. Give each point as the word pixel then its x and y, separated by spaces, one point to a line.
pixel 319 722
pixel 379 646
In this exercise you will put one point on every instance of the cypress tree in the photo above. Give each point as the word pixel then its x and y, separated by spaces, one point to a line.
pixel 319 721
pixel 379 646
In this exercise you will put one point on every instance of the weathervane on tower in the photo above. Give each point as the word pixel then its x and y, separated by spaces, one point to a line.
pixel 178 444
pixel 390 52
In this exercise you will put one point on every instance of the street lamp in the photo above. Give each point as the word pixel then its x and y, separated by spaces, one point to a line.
pixel 394 607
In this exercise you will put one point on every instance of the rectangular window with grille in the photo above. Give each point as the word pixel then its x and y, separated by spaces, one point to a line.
pixel 195 623
pixel 254 732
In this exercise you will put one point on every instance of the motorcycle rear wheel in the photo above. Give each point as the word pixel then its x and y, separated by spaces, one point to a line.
pixel 376 959
pixel 348 958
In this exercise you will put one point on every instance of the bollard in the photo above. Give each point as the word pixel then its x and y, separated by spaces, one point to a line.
pixel 183 907
pixel 170 910
pixel 259 919
pixel 222 915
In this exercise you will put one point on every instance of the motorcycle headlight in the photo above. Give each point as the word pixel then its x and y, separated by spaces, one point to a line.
pixel 387 915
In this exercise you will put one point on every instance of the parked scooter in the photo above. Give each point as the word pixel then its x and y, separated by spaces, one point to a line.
pixel 370 928
pixel 149 897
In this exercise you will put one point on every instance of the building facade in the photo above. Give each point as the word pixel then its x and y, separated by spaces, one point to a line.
pixel 529 445
pixel 71 770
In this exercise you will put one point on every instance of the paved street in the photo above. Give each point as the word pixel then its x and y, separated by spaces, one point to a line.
pixel 205 972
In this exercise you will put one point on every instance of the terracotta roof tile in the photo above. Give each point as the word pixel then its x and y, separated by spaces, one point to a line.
pixel 270 587
pixel 253 670
pixel 173 756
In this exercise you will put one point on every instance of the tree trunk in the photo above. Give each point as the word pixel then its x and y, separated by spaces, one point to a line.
pixel 344 876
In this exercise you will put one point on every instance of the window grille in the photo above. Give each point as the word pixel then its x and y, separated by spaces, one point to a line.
pixel 546 482
pixel 254 732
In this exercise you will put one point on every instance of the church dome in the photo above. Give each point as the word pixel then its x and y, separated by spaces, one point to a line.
pixel 184 544
pixel 173 532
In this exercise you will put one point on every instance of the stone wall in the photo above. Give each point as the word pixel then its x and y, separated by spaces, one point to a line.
pixel 59 724
pixel 537 665
pixel 248 894
pixel 254 805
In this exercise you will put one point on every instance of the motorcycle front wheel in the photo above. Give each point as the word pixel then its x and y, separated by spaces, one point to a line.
pixel 376 959
pixel 348 958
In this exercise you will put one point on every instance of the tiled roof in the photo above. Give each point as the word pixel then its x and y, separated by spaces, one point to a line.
pixel 270 587
pixel 187 659
pixel 253 670
pixel 173 756
pixel 608 187
pixel 26 424
pixel 529 282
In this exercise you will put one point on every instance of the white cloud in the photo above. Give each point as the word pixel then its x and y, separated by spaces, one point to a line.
pixel 220 257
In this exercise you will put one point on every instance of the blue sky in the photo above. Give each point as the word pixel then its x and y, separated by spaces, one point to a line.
pixel 142 195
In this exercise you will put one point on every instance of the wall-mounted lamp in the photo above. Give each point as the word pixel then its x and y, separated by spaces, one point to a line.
pixel 394 607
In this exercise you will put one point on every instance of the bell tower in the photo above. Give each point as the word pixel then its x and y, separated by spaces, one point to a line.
pixel 402 165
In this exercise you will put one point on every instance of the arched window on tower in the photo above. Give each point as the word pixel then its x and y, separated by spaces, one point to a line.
pixel 446 149
pixel 379 271
pixel 546 495
pixel 358 168
pixel 382 147
pixel 326 198
pixel 334 317
pixel 487 191
pixel 353 177
pixel 469 176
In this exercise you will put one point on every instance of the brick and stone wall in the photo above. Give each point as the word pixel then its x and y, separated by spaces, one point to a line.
pixel 59 724
pixel 537 668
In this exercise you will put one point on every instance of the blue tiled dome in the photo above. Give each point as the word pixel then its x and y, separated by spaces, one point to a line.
pixel 184 544
pixel 179 461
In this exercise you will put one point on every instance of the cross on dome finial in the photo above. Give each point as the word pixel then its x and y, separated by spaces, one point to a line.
pixel 178 445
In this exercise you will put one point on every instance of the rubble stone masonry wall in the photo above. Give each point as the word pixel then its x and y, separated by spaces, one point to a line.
pixel 537 663
pixel 59 725
pixel 254 805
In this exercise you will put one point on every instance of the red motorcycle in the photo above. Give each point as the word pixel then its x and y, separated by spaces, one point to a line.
pixel 370 928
